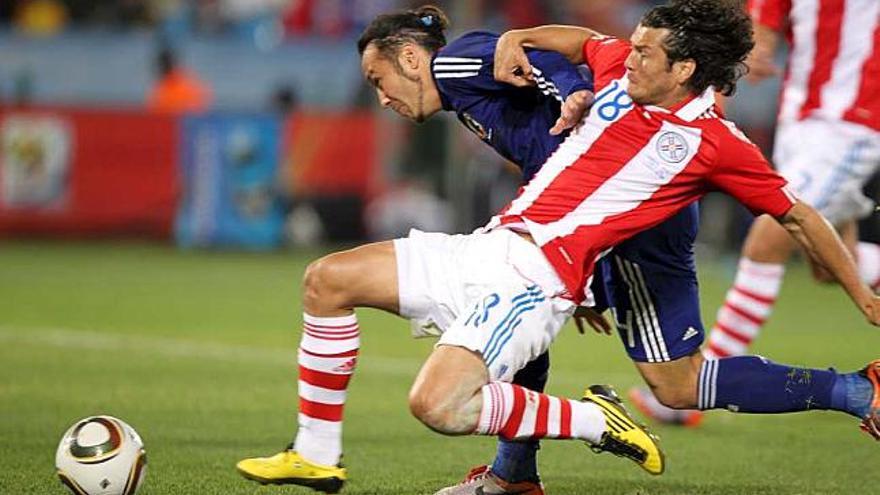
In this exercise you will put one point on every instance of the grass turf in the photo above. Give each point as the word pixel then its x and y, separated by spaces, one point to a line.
pixel 197 351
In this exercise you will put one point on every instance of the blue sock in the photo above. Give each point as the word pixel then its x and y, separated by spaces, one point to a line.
pixel 752 384
pixel 852 393
pixel 515 461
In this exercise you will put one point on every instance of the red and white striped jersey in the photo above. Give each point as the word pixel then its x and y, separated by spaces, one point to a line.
pixel 833 69
pixel 628 167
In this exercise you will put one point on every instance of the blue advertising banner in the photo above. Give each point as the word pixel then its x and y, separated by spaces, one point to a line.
pixel 229 168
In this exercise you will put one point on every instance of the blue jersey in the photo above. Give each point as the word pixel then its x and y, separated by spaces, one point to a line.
pixel 514 121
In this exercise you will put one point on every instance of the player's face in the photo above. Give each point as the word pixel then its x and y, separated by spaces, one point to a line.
pixel 397 86
pixel 652 79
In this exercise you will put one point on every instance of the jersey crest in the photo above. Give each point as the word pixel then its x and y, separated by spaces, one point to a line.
pixel 475 127
pixel 672 147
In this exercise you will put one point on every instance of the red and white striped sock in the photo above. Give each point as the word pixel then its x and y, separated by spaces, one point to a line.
pixel 327 358
pixel 516 413
pixel 868 260
pixel 747 306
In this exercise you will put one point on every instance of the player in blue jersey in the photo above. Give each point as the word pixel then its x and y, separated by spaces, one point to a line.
pixel 650 280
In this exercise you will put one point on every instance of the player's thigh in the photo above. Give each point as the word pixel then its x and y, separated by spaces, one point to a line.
pixel 657 312
pixel 827 164
pixel 432 274
pixel 365 276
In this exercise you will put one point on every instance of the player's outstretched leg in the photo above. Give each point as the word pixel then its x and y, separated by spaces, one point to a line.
pixel 752 384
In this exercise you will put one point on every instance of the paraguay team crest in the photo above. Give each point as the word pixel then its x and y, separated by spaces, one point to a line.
pixel 672 147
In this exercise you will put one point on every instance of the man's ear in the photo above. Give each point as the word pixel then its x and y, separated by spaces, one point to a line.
pixel 408 57
pixel 684 69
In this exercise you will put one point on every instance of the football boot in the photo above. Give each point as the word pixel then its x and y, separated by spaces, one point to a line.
pixel 871 423
pixel 482 481
pixel 289 468
pixel 624 437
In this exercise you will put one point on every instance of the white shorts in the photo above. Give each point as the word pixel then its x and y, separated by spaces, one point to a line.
pixel 493 293
pixel 827 164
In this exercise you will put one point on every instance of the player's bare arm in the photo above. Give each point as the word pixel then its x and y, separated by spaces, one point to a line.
pixel 823 245
pixel 511 64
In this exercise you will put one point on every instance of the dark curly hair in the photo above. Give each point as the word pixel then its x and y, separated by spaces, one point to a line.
pixel 425 26
pixel 716 34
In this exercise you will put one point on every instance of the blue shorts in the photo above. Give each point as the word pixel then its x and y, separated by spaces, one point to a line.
pixel 649 283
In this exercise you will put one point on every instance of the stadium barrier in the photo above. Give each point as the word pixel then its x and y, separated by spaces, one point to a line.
pixel 218 179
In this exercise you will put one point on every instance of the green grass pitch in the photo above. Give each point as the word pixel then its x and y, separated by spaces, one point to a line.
pixel 197 351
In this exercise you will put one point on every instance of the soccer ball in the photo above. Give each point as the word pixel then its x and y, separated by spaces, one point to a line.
pixel 101 455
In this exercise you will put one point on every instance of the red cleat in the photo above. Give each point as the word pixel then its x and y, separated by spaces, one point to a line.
pixel 871 422
pixel 481 480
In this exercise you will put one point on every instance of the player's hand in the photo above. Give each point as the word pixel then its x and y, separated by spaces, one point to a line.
pixel 761 65
pixel 573 110
pixel 871 308
pixel 596 320
pixel 511 63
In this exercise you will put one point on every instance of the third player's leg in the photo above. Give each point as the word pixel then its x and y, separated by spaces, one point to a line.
pixel 768 242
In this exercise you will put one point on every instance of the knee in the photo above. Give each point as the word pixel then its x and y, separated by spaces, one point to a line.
pixel 760 250
pixel 324 285
pixel 430 410
pixel 767 242
pixel 676 390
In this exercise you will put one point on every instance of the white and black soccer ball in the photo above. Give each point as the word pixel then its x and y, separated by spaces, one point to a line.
pixel 101 455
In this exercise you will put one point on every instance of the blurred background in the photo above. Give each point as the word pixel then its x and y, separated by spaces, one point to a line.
pixel 246 124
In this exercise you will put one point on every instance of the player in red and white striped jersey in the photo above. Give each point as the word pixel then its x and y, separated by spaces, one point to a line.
pixel 652 144
pixel 827 145
pixel 632 162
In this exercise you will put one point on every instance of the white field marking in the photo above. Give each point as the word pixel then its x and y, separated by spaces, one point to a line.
pixel 571 381
pixel 68 338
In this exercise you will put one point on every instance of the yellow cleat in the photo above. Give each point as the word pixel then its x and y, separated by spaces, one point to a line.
pixel 624 437
pixel 289 468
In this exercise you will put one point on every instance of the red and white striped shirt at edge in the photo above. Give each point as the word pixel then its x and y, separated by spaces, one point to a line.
pixel 833 69
pixel 628 168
